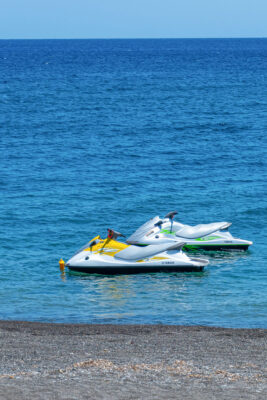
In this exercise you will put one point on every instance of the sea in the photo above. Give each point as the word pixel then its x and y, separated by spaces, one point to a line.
pixel 98 134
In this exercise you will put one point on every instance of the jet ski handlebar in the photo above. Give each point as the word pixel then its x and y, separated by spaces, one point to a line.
pixel 159 223
pixel 93 243
pixel 171 214
pixel 113 234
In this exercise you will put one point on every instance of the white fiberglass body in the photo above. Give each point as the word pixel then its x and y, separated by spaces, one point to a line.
pixel 110 256
pixel 213 236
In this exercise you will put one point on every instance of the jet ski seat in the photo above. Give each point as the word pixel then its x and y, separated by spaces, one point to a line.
pixel 193 232
pixel 138 253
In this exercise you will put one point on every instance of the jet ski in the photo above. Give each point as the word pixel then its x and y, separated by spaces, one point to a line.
pixel 109 256
pixel 214 236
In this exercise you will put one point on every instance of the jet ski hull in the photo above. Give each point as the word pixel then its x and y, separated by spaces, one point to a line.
pixel 110 257
pixel 158 231
pixel 101 264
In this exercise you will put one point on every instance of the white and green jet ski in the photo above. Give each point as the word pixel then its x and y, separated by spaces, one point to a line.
pixel 214 236
pixel 109 256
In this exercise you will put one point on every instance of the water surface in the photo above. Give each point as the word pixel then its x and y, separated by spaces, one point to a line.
pixel 109 133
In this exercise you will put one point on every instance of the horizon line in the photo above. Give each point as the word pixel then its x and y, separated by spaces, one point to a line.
pixel 142 38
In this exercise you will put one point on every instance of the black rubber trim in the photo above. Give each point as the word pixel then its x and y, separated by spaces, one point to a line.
pixel 134 270
pixel 216 247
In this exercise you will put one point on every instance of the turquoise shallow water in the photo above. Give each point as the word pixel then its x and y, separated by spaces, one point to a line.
pixel 109 133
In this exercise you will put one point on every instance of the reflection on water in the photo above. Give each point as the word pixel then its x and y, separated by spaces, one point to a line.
pixel 115 288
pixel 63 276
pixel 207 297
pixel 224 257
pixel 125 296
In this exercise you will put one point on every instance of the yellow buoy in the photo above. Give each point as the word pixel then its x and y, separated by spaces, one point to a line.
pixel 61 264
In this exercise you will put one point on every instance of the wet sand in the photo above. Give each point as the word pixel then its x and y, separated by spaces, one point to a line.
pixel 57 361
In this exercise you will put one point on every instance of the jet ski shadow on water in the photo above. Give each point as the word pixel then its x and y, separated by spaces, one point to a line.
pixel 109 256
pixel 214 236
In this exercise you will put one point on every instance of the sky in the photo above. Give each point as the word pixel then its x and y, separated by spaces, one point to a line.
pixel 41 19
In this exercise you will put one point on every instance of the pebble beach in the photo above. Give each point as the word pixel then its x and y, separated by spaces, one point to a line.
pixel 75 361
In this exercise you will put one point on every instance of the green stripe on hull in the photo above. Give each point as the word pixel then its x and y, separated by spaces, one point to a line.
pixel 206 238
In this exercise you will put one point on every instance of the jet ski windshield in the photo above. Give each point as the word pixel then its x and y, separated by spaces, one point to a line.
pixel 91 243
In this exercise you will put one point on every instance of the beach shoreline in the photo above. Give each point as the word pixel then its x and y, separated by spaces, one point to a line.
pixel 81 361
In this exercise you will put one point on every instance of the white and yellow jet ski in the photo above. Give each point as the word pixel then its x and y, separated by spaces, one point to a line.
pixel 214 236
pixel 109 256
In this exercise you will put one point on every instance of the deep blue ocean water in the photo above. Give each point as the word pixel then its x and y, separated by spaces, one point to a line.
pixel 109 133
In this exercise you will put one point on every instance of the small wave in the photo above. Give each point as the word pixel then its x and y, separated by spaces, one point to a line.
pixel 256 211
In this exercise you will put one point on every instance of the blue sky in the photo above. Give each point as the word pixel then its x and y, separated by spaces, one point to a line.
pixel 132 18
